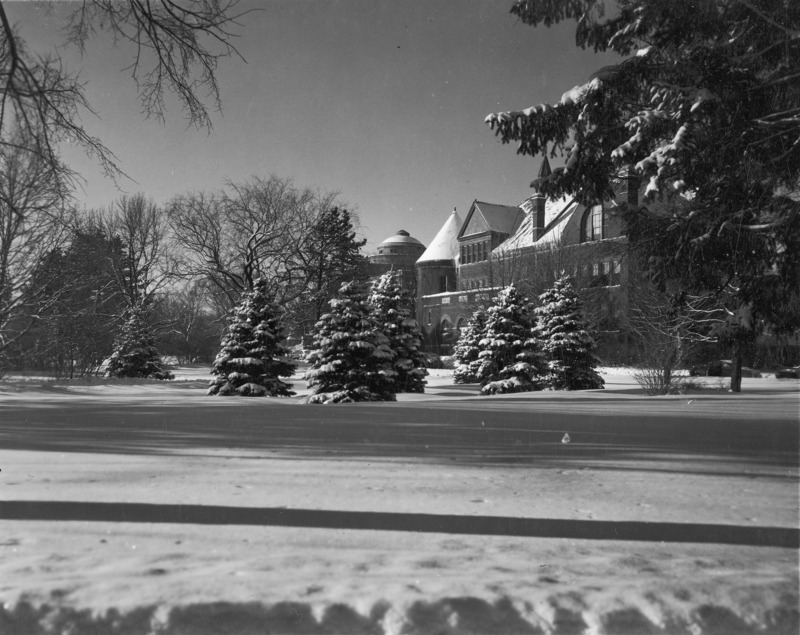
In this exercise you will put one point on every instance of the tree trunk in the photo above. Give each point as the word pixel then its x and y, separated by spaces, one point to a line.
pixel 736 370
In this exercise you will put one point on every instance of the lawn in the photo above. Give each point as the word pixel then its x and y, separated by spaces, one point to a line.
pixel 138 507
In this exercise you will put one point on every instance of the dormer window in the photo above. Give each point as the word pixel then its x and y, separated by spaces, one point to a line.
pixel 592 224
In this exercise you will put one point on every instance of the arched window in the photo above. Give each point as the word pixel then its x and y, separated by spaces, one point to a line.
pixel 592 224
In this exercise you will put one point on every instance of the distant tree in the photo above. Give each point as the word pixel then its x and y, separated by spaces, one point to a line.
pixel 351 358
pixel 33 222
pixel 254 230
pixel 565 340
pixel 707 114
pixel 175 46
pixel 467 349
pixel 392 310
pixel 191 328
pixel 330 255
pixel 148 263
pixel 253 357
pixel 79 306
pixel 135 353
pixel 510 360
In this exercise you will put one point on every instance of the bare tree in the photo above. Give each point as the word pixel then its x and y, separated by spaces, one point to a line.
pixel 251 230
pixel 32 223
pixel 667 329
pixel 148 264
pixel 175 46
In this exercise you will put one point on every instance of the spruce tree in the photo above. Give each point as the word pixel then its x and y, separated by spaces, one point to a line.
pixel 391 308
pixel 467 349
pixel 510 360
pixel 352 359
pixel 565 339
pixel 253 357
pixel 135 353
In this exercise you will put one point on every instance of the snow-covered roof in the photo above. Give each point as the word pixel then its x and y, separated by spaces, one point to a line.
pixel 556 215
pixel 503 219
pixel 444 245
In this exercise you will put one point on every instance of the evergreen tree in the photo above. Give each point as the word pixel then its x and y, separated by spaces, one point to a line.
pixel 135 354
pixel 704 111
pixel 331 255
pixel 253 356
pixel 565 340
pixel 467 349
pixel 352 359
pixel 391 308
pixel 509 357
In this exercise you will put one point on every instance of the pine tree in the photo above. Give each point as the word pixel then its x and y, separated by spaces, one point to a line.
pixel 565 340
pixel 135 354
pixel 352 359
pixel 391 308
pixel 253 357
pixel 703 112
pixel 467 349
pixel 509 357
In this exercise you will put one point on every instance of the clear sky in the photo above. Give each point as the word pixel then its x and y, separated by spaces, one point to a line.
pixel 382 101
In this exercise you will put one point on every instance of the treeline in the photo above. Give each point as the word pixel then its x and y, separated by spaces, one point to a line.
pixel 70 280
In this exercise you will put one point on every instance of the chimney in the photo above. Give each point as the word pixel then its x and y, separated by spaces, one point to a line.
pixel 538 200
pixel 629 191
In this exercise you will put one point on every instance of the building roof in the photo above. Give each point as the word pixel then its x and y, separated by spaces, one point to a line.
pixel 444 245
pixel 556 214
pixel 503 219
pixel 403 237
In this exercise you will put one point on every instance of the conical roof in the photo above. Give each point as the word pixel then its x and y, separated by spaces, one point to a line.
pixel 444 245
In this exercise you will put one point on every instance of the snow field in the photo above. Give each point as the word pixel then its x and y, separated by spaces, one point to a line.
pixel 708 457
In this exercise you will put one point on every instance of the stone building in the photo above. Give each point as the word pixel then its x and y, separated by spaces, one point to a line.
pixel 531 244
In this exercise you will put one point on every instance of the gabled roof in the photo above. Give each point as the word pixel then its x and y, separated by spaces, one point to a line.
pixel 444 245
pixel 503 219
pixel 556 213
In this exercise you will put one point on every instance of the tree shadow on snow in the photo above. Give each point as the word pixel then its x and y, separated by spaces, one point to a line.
pixel 497 432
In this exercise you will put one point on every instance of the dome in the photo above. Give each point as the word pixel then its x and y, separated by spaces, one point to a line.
pixel 402 237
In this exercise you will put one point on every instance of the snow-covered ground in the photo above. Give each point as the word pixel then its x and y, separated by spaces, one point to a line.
pixel 138 507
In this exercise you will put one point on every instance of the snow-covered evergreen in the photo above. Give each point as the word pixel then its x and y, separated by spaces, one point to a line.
pixel 565 340
pixel 510 360
pixel 135 353
pixel 253 356
pixel 467 349
pixel 352 359
pixel 391 308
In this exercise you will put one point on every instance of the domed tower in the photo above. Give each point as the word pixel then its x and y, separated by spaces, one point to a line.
pixel 399 253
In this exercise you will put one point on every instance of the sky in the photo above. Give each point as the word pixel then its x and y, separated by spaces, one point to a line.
pixel 382 101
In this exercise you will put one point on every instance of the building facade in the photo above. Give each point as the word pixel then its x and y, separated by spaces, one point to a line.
pixel 530 245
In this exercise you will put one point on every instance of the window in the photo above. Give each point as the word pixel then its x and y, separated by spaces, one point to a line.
pixel 592 224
